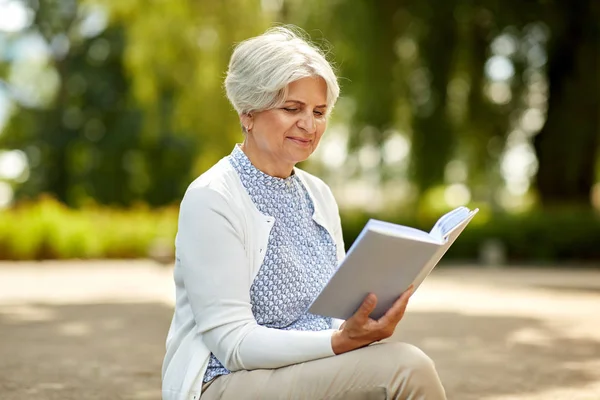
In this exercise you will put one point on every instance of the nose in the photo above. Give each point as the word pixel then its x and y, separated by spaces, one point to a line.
pixel 307 122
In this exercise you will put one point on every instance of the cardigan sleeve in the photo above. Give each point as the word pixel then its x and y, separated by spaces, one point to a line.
pixel 217 280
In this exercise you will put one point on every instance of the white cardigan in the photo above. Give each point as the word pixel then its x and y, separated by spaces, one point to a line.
pixel 221 243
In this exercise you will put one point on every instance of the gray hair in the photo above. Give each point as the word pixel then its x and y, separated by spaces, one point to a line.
pixel 262 67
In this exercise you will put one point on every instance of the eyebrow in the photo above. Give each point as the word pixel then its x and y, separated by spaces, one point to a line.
pixel 303 103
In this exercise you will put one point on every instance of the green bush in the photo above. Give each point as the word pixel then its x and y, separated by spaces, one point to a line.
pixel 46 229
pixel 535 237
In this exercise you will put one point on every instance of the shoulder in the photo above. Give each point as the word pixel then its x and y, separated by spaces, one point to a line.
pixel 212 203
pixel 317 187
pixel 311 179
pixel 220 177
pixel 217 187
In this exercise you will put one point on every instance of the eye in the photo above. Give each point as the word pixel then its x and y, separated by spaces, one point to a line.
pixel 318 113
pixel 290 109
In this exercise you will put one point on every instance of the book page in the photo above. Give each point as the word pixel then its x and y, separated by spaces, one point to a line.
pixel 448 222
pixel 385 264
pixel 453 234
pixel 381 264
pixel 388 228
pixel 450 237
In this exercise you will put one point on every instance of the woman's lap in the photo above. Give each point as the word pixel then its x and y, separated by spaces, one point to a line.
pixel 382 371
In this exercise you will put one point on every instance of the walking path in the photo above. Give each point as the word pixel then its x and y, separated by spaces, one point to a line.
pixel 96 330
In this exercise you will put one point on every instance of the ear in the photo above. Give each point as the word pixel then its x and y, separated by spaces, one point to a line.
pixel 247 121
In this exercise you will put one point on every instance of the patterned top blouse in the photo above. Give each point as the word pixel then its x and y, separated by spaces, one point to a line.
pixel 300 257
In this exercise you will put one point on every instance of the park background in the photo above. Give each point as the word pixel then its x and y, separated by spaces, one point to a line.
pixel 110 108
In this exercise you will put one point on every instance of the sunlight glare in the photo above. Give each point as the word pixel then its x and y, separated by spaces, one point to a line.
pixel 12 164
pixel 6 194
pixel 14 16
pixel 457 194
pixel 395 148
pixel 518 166
pixel 499 68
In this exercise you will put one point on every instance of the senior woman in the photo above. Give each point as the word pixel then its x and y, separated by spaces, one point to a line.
pixel 258 239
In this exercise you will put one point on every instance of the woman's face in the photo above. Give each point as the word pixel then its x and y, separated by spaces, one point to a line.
pixel 288 134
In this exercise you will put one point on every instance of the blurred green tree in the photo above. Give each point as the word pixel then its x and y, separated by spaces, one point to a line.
pixel 138 109
pixel 78 138
pixel 435 59
pixel 133 109
pixel 567 145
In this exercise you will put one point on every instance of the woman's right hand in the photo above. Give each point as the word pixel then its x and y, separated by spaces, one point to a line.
pixel 360 330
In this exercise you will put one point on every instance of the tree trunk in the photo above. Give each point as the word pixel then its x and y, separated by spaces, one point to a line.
pixel 567 145
pixel 433 138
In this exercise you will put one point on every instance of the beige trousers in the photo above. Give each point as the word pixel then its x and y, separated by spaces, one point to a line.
pixel 381 371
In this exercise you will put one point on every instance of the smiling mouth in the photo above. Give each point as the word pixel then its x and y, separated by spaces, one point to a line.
pixel 300 140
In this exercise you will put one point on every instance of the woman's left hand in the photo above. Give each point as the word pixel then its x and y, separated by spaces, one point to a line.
pixel 360 330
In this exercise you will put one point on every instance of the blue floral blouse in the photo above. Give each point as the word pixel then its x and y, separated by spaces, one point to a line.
pixel 300 257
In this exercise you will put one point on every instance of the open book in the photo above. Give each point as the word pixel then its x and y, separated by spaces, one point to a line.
pixel 386 259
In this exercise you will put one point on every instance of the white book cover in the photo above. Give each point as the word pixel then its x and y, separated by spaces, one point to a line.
pixel 385 259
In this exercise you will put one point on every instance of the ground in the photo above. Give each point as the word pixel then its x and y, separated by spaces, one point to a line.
pixel 96 330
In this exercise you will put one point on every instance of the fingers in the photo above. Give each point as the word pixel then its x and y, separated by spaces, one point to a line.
pixel 366 308
pixel 408 292
pixel 396 312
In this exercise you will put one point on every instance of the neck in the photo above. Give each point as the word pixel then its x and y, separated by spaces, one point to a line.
pixel 264 162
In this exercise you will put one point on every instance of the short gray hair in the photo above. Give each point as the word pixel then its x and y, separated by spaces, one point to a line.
pixel 262 67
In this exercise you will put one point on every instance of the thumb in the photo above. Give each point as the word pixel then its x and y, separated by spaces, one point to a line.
pixel 367 307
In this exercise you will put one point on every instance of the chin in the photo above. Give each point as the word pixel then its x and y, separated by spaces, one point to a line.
pixel 300 156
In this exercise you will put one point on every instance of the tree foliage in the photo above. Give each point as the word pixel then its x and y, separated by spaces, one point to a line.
pixel 131 110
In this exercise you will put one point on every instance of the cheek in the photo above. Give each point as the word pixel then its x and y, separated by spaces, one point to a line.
pixel 320 133
pixel 272 120
pixel 288 122
pixel 281 124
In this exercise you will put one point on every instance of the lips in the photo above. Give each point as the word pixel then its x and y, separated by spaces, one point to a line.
pixel 299 140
